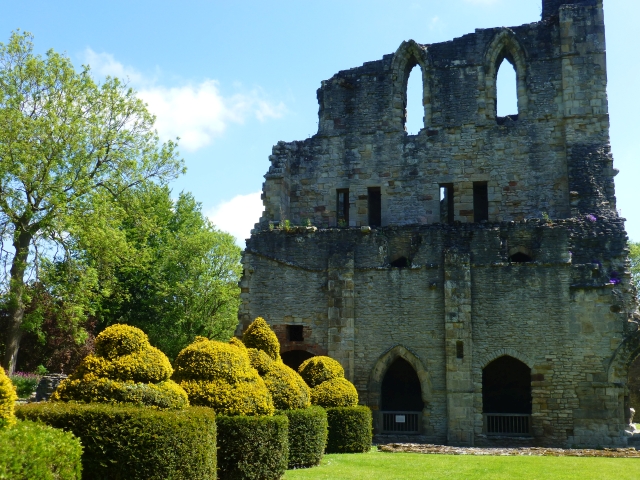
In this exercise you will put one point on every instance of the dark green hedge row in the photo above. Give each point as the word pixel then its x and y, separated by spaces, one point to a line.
pixel 29 450
pixel 350 429
pixel 307 436
pixel 252 447
pixel 135 442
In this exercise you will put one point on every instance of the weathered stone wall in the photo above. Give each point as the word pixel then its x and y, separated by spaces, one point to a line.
pixel 568 314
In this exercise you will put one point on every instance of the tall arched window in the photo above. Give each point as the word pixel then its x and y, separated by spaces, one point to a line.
pixel 506 90
pixel 414 109
pixel 401 388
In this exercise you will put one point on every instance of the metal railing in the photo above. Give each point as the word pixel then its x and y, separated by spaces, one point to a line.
pixel 401 422
pixel 511 424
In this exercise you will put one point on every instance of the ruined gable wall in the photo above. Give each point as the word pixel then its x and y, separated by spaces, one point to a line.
pixel 554 157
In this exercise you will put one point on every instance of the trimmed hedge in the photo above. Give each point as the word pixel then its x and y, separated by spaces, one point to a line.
pixel 135 442
pixel 34 451
pixel 252 447
pixel 307 436
pixel 350 429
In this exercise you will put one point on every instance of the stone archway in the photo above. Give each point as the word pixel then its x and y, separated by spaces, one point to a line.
pixel 379 373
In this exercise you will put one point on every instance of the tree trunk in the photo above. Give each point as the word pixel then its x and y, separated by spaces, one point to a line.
pixel 21 243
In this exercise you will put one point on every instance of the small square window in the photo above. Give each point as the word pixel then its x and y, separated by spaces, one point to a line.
pixel 295 333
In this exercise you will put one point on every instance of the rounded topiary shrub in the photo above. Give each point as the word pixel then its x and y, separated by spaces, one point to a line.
pixel 287 388
pixel 219 375
pixel 134 442
pixel 337 392
pixel 125 368
pixel 259 335
pixel 252 447
pixel 8 397
pixel 316 370
pixel 350 429
pixel 307 436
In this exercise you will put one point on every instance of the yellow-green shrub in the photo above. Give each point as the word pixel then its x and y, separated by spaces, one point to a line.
pixel 124 369
pixel 259 360
pixel 236 342
pixel 259 335
pixel 337 392
pixel 287 388
pixel 219 375
pixel 316 370
pixel 8 397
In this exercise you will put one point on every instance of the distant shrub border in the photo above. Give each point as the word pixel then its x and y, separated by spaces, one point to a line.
pixel 350 429
pixel 307 436
pixel 34 451
pixel 135 442
pixel 254 447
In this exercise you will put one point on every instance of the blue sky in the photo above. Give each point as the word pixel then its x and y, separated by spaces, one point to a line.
pixel 233 78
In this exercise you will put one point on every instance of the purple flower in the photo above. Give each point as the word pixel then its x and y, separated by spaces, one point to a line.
pixel 614 281
pixel 591 218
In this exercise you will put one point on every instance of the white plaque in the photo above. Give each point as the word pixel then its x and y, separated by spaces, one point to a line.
pixel 399 418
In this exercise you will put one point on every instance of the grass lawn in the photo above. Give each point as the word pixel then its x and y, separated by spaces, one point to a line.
pixel 403 466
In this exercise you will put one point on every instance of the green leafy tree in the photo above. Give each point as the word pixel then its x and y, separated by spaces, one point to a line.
pixel 184 280
pixel 70 150
pixel 634 257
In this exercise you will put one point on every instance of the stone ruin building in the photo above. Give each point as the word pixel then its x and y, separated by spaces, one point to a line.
pixel 472 279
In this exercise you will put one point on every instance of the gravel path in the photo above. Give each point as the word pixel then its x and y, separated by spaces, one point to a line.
pixel 525 451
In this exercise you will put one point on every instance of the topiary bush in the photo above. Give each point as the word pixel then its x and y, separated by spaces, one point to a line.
pixel 316 370
pixel 259 335
pixel 287 388
pixel 337 392
pixel 307 436
pixel 8 399
pixel 124 369
pixel 252 447
pixel 31 451
pixel 219 375
pixel 134 442
pixel 350 429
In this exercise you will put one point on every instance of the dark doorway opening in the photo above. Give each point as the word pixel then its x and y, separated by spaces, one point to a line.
pixel 520 257
pixel 295 333
pixel 480 202
pixel 342 207
pixel 446 203
pixel 294 358
pixel 401 389
pixel 506 387
pixel 402 262
pixel 375 206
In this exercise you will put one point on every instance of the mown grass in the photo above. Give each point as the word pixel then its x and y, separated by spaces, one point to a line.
pixel 406 466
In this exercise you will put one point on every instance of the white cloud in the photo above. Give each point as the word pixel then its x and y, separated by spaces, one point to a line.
pixel 197 113
pixel 238 215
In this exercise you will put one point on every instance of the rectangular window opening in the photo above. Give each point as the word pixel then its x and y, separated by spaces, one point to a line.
pixel 480 202
pixel 446 203
pixel 295 333
pixel 459 349
pixel 375 206
pixel 342 210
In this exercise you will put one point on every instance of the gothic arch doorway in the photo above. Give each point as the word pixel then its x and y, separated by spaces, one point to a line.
pixel 506 397
pixel 294 358
pixel 401 388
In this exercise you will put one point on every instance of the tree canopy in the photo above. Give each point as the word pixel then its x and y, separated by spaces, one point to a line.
pixel 71 151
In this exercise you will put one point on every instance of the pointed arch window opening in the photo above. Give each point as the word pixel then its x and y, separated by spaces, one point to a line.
pixel 506 101
pixel 414 100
